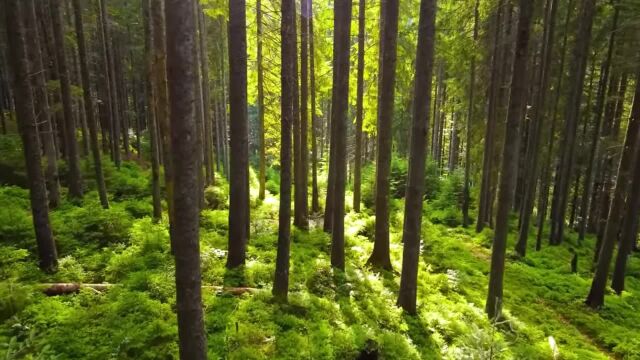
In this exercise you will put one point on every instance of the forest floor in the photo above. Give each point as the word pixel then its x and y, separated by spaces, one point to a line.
pixel 329 315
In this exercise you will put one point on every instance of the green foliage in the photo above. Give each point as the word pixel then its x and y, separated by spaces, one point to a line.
pixel 272 183
pixel 216 197
pixel 14 297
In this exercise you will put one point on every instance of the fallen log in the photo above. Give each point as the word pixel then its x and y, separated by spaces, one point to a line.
pixel 55 289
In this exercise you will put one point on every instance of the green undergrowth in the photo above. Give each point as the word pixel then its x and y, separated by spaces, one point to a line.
pixel 330 314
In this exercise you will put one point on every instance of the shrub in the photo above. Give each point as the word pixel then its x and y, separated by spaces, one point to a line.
pixel 13 298
pixel 272 183
pixel 216 197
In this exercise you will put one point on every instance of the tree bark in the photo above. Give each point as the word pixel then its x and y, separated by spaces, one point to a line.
pixel 206 98
pixel 357 169
pixel 509 159
pixel 301 208
pixel 315 203
pixel 29 133
pixel 180 44
pixel 88 103
pixel 572 113
pixel 262 162
pixel 288 51
pixel 386 84
pixel 239 141
pixel 595 299
pixel 339 116
pixel 411 234
pixel 71 146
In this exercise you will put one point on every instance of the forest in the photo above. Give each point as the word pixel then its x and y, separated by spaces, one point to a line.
pixel 319 179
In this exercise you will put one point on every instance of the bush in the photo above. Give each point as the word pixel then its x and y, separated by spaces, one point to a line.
pixel 13 298
pixel 128 182
pixel 272 183
pixel 216 197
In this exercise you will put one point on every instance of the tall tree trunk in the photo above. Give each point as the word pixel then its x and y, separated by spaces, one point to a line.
pixel 113 83
pixel 357 171
pixel 466 193
pixel 454 143
pixel 42 103
pixel 485 199
pixel 239 137
pixel 315 203
pixel 151 113
pixel 595 140
pixel 339 116
pixel 288 51
pixel 75 178
pixel 572 113
pixel 262 166
pixel 509 159
pixel 29 133
pixel 199 110
pixel 386 83
pixel 533 150
pixel 185 227
pixel 88 103
pixel 206 98
pixel 301 209
pixel 411 233
pixel 595 299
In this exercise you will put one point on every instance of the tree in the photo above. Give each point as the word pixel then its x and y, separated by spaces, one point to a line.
pixel 88 104
pixel 357 168
pixel 419 134
pixel 301 212
pixel 339 107
pixel 315 204
pixel 29 134
pixel 509 159
pixel 572 113
pixel 262 165
pixel 386 85
pixel 595 299
pixel 185 227
pixel 71 144
pixel 239 141
pixel 206 97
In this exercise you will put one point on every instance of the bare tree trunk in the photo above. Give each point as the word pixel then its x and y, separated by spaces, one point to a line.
pixel 595 299
pixel 75 178
pixel 239 141
pixel 206 98
pixel 262 166
pixel 113 86
pixel 411 233
pixel 301 208
pixel 185 227
pixel 288 51
pixel 357 172
pixel 29 133
pixel 386 83
pixel 509 160
pixel 339 108
pixel 315 204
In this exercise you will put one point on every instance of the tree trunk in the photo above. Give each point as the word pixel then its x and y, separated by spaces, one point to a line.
pixel 339 116
pixel 509 159
pixel 113 87
pixel 595 299
pixel 386 83
pixel 288 51
pixel 572 113
pixel 151 113
pixel 180 42
pixel 239 141
pixel 357 171
pixel 533 150
pixel 29 133
pixel 301 208
pixel 262 165
pixel 315 204
pixel 88 103
pixel 466 193
pixel 411 234
pixel 206 98
pixel 199 111
pixel 71 146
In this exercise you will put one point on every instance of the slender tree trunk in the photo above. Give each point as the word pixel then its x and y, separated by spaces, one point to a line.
pixel 29 133
pixel 509 159
pixel 301 209
pixel 532 154
pixel 466 193
pixel 595 299
pixel 386 83
pixel 454 143
pixel 357 172
pixel 485 199
pixel 411 234
pixel 288 51
pixel 567 145
pixel 75 178
pixel 315 204
pixel 199 111
pixel 595 140
pixel 113 87
pixel 151 113
pixel 206 98
pixel 185 227
pixel 262 166
pixel 239 137
pixel 88 103
pixel 339 116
